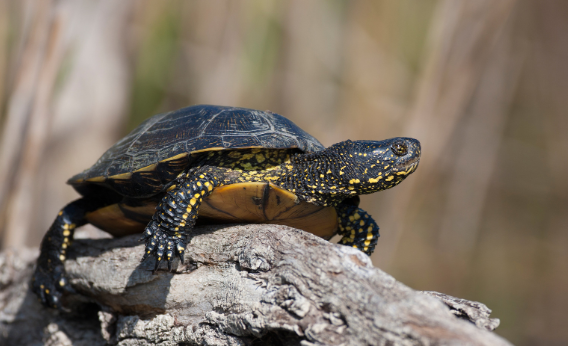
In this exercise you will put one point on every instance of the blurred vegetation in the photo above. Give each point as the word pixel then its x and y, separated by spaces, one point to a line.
pixel 482 84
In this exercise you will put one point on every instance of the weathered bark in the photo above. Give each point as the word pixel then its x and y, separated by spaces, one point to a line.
pixel 239 285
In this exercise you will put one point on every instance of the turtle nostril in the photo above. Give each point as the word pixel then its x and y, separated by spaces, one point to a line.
pixel 399 148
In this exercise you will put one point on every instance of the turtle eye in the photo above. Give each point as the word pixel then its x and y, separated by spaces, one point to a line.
pixel 399 148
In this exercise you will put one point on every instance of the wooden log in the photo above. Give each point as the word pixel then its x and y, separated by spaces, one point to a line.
pixel 239 285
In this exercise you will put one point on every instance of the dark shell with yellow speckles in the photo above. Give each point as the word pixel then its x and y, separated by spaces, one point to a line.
pixel 151 156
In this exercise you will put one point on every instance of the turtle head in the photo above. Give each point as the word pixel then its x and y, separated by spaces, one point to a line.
pixel 370 166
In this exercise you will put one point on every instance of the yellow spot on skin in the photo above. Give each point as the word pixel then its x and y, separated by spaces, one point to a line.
pixel 60 213
pixel 354 181
pixel 321 175
pixel 369 236
pixel 357 216
pixel 61 283
pixel 197 195
pixel 62 257
pixel 66 233
pixel 367 242
pixel 46 291
pixel 375 180
pixel 390 178
pixel 41 286
pixel 260 158
pixel 192 201
pixel 328 171
pixel 64 246
pixel 198 184
pixel 148 251
pixel 246 166
pixel 387 166
pixel 201 176
pixel 361 223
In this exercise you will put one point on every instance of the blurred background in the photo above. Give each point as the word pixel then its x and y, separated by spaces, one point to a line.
pixel 482 84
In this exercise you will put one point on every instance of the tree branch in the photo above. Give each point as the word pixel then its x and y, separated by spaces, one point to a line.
pixel 239 285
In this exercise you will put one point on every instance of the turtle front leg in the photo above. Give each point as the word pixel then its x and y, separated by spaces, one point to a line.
pixel 175 216
pixel 358 228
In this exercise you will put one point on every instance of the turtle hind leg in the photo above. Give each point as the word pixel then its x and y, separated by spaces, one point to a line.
pixel 49 281
pixel 175 216
pixel 358 228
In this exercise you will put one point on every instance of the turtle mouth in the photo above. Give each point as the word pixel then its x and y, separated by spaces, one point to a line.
pixel 411 163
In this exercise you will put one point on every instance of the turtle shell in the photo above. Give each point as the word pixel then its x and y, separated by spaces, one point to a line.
pixel 152 155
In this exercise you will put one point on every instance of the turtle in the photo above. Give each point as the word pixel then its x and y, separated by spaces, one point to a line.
pixel 225 165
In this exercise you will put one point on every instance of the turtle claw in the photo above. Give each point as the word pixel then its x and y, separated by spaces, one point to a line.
pixel 50 288
pixel 180 249
pixel 162 246
pixel 156 243
pixel 146 255
pixel 66 287
pixel 158 261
